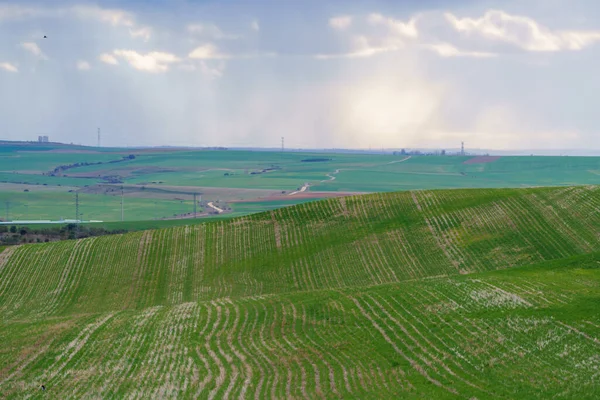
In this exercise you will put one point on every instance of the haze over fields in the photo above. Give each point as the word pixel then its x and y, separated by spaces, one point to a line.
pixel 496 74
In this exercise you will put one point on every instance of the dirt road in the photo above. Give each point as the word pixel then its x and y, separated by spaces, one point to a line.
pixel 397 161
pixel 211 205
pixel 331 176
pixel 302 189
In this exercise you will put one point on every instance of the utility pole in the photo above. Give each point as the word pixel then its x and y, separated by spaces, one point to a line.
pixel 77 207
pixel 98 137
pixel 121 203
pixel 282 146
pixel 77 215
pixel 195 204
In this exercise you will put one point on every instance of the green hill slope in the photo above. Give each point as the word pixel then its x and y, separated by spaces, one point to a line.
pixel 380 296
pixel 359 241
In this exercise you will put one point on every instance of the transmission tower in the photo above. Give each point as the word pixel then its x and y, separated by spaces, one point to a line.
pixel 98 137
pixel 462 148
pixel 282 146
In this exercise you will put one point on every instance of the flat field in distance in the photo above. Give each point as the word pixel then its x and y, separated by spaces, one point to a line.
pixel 39 181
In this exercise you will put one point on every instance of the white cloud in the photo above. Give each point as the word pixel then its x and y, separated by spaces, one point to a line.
pixel 34 49
pixel 215 71
pixel 340 22
pixel 83 65
pixel 143 32
pixel 113 17
pixel 8 67
pixel 255 26
pixel 523 32
pixel 448 50
pixel 407 29
pixel 108 59
pixel 155 61
pixel 210 30
pixel 212 72
pixel 367 46
pixel 371 41
pixel 362 53
pixel 207 51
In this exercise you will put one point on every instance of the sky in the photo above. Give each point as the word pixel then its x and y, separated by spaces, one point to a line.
pixel 504 75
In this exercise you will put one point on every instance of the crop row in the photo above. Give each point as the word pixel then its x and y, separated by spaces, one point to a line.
pixel 449 337
pixel 357 241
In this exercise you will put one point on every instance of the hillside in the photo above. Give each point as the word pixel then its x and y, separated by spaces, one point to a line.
pixel 445 294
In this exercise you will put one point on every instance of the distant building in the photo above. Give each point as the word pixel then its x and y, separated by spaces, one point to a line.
pixel 43 139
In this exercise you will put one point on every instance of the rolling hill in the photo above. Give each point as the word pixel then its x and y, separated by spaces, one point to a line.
pixel 427 294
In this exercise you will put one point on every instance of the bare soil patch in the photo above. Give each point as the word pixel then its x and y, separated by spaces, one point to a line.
pixel 482 160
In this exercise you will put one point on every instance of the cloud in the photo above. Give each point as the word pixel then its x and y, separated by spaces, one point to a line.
pixel 12 12
pixel 210 30
pixel 523 32
pixel 143 32
pixel 83 65
pixel 362 53
pixel 207 51
pixel 113 17
pixel 406 29
pixel 8 67
pixel 155 61
pixel 212 72
pixel 340 22
pixel 255 26
pixel 448 50
pixel 34 49
pixel 108 59
pixel 367 46
pixel 215 71
pixel 372 40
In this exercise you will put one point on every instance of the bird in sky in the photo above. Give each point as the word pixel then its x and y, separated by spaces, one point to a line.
pixel 45 37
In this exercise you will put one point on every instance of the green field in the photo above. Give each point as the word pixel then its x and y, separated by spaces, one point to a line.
pixel 160 182
pixel 487 293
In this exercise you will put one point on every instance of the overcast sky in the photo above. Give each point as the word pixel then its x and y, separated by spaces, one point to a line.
pixel 495 74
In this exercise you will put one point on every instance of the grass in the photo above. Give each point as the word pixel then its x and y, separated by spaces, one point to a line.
pixel 57 204
pixel 429 294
